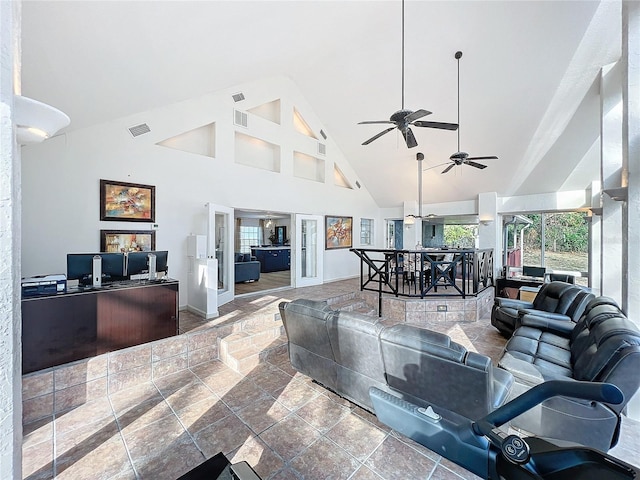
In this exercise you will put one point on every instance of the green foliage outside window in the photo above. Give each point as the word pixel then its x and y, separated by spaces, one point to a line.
pixel 462 236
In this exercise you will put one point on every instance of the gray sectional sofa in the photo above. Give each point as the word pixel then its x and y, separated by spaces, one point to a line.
pixel 348 353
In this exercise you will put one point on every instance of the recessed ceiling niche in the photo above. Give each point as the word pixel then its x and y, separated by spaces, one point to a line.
pixel 201 141
pixel 256 153
pixel 339 179
pixel 301 126
pixel 269 111
pixel 306 166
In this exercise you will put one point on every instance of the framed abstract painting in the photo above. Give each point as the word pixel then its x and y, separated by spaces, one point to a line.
pixel 338 232
pixel 127 202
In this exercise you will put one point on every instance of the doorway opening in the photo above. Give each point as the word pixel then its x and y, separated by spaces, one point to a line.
pixel 262 258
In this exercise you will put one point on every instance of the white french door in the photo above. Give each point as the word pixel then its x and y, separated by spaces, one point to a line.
pixel 308 250
pixel 220 246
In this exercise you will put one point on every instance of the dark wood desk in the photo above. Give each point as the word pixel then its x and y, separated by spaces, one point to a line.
pixel 82 323
pixel 514 283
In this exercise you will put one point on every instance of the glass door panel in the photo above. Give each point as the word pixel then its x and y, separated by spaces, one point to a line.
pixel 309 250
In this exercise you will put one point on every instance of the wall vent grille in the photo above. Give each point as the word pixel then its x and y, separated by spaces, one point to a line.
pixel 240 118
pixel 238 97
pixel 322 148
pixel 139 130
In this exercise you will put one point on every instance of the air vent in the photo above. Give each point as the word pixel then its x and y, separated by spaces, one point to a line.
pixel 238 97
pixel 324 135
pixel 240 118
pixel 139 130
pixel 322 148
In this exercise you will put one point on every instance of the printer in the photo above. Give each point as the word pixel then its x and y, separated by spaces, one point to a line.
pixel 44 285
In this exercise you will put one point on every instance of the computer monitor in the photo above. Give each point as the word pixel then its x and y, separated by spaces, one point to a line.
pixel 112 267
pixel 80 267
pixel 138 262
pixel 536 272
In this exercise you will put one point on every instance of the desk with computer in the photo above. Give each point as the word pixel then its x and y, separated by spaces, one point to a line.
pixel 120 301
pixel 96 270
pixel 530 278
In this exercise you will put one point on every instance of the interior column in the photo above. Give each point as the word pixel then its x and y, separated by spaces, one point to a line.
pixel 10 321
pixel 611 180
pixel 631 168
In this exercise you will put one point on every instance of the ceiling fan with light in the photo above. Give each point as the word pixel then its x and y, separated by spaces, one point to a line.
pixel 403 119
pixel 462 158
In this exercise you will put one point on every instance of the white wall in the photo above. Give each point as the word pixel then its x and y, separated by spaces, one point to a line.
pixel 61 179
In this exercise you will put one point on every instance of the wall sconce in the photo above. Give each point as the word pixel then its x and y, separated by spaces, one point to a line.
pixel 409 220
pixel 36 121
pixel 486 221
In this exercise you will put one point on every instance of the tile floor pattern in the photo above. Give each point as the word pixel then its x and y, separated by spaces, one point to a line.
pixel 284 425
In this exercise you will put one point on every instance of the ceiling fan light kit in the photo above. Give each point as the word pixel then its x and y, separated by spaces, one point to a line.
pixel 404 119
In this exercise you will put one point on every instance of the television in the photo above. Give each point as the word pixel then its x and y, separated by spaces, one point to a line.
pixel 80 267
pixel 138 262
pixel 536 272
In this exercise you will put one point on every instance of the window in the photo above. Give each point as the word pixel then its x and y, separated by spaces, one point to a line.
pixel 558 241
pixel 461 236
pixel 366 231
pixel 249 236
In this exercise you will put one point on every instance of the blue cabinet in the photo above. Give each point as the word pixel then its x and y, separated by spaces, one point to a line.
pixel 273 259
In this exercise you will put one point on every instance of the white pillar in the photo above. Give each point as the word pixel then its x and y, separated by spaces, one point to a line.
pixel 595 236
pixel 611 178
pixel 631 169
pixel 490 227
pixel 10 320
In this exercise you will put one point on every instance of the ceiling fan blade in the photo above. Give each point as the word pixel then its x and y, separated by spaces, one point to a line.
pixel 374 121
pixel 435 166
pixel 474 164
pixel 440 125
pixel 449 168
pixel 416 115
pixel 493 157
pixel 367 142
pixel 409 138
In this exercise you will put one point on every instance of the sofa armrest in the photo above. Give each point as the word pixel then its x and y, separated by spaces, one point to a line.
pixel 545 314
pixel 562 327
pixel 512 303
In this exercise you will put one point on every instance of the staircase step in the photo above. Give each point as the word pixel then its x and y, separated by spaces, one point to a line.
pixel 350 305
pixel 243 350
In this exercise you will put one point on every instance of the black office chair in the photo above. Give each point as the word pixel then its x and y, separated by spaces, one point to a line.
pixel 559 277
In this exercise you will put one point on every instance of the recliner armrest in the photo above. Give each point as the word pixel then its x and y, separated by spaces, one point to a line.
pixel 541 313
pixel 562 327
pixel 512 303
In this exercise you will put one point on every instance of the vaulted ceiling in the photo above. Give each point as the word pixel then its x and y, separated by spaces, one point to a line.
pixel 528 93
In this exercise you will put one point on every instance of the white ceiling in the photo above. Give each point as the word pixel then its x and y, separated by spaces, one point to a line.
pixel 526 69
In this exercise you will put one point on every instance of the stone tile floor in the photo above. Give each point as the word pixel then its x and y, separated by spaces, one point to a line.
pixel 279 421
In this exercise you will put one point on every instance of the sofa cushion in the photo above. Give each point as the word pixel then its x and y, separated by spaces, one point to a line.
pixel 239 257
pixel 606 340
pixel 356 348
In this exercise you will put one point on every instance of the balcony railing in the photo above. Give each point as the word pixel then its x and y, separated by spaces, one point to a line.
pixel 425 273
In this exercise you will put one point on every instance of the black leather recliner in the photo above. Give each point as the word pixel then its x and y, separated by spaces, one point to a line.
pixel 603 346
pixel 557 300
